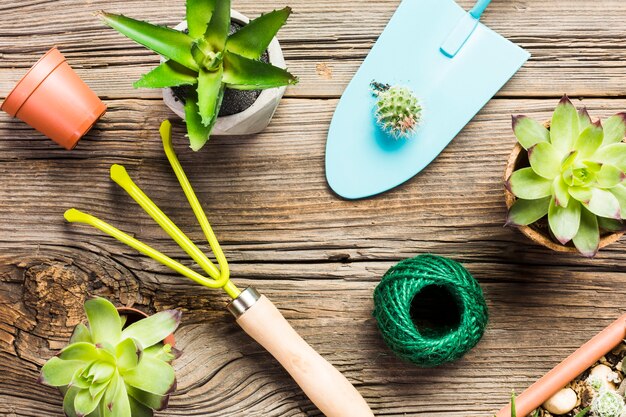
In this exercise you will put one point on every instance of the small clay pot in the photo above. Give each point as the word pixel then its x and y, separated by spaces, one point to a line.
pixel 54 100
pixel 133 315
pixel 518 159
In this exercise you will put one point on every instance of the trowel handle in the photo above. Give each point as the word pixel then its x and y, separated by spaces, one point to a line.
pixel 325 386
pixel 479 8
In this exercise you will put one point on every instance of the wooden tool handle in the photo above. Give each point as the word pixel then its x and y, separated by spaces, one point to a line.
pixel 325 386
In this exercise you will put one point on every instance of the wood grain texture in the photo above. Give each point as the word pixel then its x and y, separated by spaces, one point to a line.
pixel 317 257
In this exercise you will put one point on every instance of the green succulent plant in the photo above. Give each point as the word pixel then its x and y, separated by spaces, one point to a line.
pixel 608 403
pixel 576 176
pixel 208 58
pixel 398 111
pixel 110 371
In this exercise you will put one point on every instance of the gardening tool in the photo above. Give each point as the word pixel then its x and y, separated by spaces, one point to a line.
pixel 453 64
pixel 321 382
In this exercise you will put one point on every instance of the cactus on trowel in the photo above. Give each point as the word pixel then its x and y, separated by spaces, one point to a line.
pixel 398 111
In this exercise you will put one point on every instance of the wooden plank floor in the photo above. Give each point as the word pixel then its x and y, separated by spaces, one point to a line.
pixel 317 256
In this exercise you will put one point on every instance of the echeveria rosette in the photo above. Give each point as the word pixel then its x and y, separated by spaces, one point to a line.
pixel 208 57
pixel 576 176
pixel 111 371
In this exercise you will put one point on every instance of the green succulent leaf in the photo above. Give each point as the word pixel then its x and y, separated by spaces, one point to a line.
pixel 254 38
pixel 153 329
pixel 68 401
pixel 527 185
pixel 217 30
pixel 587 240
pixel 569 160
pixel 169 74
pixel 590 140
pixel 101 371
pixel 545 160
pixel 529 132
pixel 58 372
pixel 247 74
pixel 611 225
pixel 525 212
pixel 137 409
pixel 560 190
pixel 210 92
pixel 154 401
pixel 96 389
pixel 564 126
pixel 614 129
pixel 620 193
pixel 84 403
pixel 598 201
pixel 197 132
pixel 162 352
pixel 199 14
pixel 110 392
pixel 167 42
pixel 119 406
pixel 81 351
pixel 81 334
pixel 128 353
pixel 564 221
pixel 152 375
pixel 584 121
pixel 614 154
pixel 104 320
pixel 610 176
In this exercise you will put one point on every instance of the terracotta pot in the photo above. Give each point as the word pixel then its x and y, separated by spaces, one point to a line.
pixel 518 157
pixel 55 101
pixel 256 117
pixel 134 315
pixel 568 370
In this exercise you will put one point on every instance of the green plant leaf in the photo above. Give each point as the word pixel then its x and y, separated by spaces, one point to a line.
pixel 527 185
pixel 128 353
pixel 152 375
pixel 583 412
pixel 68 401
pixel 199 14
pixel 81 334
pixel 545 160
pixel 119 406
pixel 167 42
pixel 564 126
pixel 611 225
pixel 246 74
pixel 162 352
pixel 101 371
pixel 584 121
pixel 217 30
pixel 569 160
pixel 84 403
pixel 104 320
pixel 57 372
pixel 525 212
pixel 81 351
pixel 610 176
pixel 614 154
pixel 529 132
pixel 109 394
pixel 513 406
pixel 598 201
pixel 560 190
pixel 96 389
pixel 154 401
pixel 582 194
pixel 253 39
pixel 197 133
pixel 168 74
pixel 564 221
pixel 587 240
pixel 620 193
pixel 589 140
pixel 210 91
pixel 153 329
pixel 137 409
pixel 614 129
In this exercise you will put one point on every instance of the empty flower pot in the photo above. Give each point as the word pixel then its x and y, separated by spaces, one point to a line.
pixel 54 100
pixel 568 370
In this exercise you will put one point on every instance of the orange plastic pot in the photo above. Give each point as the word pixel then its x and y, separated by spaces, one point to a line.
pixel 54 100
pixel 568 370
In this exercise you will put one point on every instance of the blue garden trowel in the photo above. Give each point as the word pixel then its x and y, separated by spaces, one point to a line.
pixel 453 64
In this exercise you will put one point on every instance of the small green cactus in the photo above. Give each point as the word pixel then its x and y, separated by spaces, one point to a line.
pixel 607 403
pixel 398 111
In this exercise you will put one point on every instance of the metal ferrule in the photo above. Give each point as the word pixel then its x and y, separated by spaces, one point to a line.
pixel 241 304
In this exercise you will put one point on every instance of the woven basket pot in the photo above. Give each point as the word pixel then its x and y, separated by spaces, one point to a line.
pixel 518 159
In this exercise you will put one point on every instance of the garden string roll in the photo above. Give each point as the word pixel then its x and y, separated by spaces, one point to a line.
pixel 398 293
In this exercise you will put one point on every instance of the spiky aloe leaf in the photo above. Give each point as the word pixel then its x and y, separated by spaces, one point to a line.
pixel 598 201
pixel 128 353
pixel 614 129
pixel 169 74
pixel 199 14
pixel 153 329
pixel 620 193
pixel 246 74
pixel 589 140
pixel 217 30
pixel 58 372
pixel 526 184
pixel 137 409
pixel 154 401
pixel 584 120
pixel 609 176
pixel 85 403
pixel 525 212
pixel 587 239
pixel 197 132
pixel 545 160
pixel 210 91
pixel 614 154
pixel 529 132
pixel 254 38
pixel 564 126
pixel 564 221
pixel 81 334
pixel 152 375
pixel 170 43
pixel 104 321
pixel 560 190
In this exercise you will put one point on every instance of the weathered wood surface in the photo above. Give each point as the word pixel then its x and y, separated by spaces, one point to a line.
pixel 317 256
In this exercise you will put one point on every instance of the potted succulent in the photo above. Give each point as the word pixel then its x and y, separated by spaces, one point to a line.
pixel 117 365
pixel 222 73
pixel 565 180
pixel 589 383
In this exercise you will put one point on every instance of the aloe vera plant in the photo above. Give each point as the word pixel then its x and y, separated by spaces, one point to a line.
pixel 111 371
pixel 208 58
pixel 576 176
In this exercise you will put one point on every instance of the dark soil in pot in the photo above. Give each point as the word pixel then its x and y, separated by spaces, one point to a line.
pixel 235 101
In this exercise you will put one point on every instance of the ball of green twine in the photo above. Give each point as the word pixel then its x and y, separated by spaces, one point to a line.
pixel 395 294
